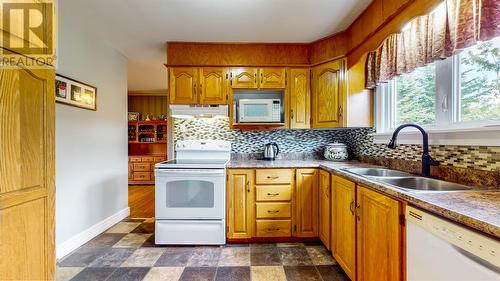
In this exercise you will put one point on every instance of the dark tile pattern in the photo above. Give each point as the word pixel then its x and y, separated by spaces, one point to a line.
pixel 93 274
pixel 234 273
pixel 100 259
pixel 128 274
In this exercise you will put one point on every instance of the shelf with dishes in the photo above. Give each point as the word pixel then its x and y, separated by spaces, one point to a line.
pixel 147 132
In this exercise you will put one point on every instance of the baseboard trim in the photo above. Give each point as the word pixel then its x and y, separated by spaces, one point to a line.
pixel 83 237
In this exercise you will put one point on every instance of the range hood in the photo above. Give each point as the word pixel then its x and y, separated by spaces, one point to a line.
pixel 198 110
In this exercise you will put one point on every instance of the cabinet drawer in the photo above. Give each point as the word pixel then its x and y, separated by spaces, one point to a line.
pixel 158 159
pixel 134 159
pixel 273 228
pixel 147 159
pixel 273 210
pixel 142 176
pixel 274 193
pixel 142 167
pixel 274 176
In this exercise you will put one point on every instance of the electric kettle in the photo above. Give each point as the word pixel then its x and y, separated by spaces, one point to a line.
pixel 271 150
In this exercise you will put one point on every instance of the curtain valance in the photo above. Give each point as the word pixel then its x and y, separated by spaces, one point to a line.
pixel 451 27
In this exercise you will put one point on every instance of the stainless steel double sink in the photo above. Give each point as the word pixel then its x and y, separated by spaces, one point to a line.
pixel 407 181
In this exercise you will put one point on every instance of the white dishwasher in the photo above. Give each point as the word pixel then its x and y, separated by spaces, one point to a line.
pixel 437 249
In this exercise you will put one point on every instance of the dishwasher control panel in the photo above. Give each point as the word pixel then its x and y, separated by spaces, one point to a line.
pixel 475 243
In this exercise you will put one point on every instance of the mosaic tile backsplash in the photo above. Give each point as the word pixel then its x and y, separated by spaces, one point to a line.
pixel 313 141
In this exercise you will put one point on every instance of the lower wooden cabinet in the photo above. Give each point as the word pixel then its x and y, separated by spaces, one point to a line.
pixel 306 203
pixel 324 208
pixel 344 224
pixel 379 236
pixel 366 232
pixel 240 196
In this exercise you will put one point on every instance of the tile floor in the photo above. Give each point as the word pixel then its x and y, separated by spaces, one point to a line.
pixel 127 252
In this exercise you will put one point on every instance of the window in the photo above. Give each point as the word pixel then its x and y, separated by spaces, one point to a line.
pixel 459 92
pixel 479 69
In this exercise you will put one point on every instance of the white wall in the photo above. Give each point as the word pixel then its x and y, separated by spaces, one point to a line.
pixel 91 146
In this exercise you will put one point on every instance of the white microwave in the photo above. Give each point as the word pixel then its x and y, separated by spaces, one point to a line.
pixel 259 111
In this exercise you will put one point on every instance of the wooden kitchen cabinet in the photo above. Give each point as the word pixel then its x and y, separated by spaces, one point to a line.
pixel 306 203
pixel 343 231
pixel 240 196
pixel 324 208
pixel 213 85
pixel 244 78
pixel 328 91
pixel 183 85
pixel 300 98
pixel 379 236
pixel 272 78
pixel 198 85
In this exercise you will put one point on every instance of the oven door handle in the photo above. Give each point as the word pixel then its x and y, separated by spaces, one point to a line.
pixel 215 172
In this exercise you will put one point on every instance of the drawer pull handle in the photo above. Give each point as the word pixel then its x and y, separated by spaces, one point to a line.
pixel 273 229
pixel 272 177
pixel 273 194
pixel 273 211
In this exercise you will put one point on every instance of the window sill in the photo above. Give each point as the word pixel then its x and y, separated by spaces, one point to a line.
pixel 482 136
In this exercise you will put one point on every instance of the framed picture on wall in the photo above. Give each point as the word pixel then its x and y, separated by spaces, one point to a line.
pixel 72 92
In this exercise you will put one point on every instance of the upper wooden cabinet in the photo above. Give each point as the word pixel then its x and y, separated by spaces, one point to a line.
pixel 344 224
pixel 307 203
pixel 324 208
pixel 328 91
pixel 240 203
pixel 182 85
pixel 300 98
pixel 272 78
pixel 193 85
pixel 213 85
pixel 244 78
pixel 258 78
pixel 379 236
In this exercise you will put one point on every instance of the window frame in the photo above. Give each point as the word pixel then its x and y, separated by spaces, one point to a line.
pixel 448 129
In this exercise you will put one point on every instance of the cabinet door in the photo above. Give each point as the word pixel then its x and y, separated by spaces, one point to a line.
pixel 324 207
pixel 183 85
pixel 27 173
pixel 343 230
pixel 306 197
pixel 300 98
pixel 378 236
pixel 272 78
pixel 244 78
pixel 327 92
pixel 240 201
pixel 212 85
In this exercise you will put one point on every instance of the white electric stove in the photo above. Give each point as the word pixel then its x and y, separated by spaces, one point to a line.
pixel 190 194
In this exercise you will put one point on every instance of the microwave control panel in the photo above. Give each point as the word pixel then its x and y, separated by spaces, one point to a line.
pixel 276 111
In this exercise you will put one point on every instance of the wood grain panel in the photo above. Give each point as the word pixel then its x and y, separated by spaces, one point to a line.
pixel 328 48
pixel 274 176
pixel 141 200
pixel 236 54
pixel 344 224
pixel 240 203
pixel 324 208
pixel 274 193
pixel 182 85
pixel 273 210
pixel 273 228
pixel 152 105
pixel 27 173
pixel 272 78
pixel 212 85
pixel 359 103
pixel 307 203
pixel 244 78
pixel 300 98
pixel 378 236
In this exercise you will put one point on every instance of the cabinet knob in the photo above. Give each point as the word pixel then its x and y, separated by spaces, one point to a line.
pixel 291 114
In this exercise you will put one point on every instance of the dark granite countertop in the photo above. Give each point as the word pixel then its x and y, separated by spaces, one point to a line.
pixel 479 210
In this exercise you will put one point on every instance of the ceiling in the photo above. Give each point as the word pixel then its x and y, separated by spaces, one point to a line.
pixel 140 28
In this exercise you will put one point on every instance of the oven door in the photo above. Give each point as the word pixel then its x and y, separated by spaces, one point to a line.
pixel 190 193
